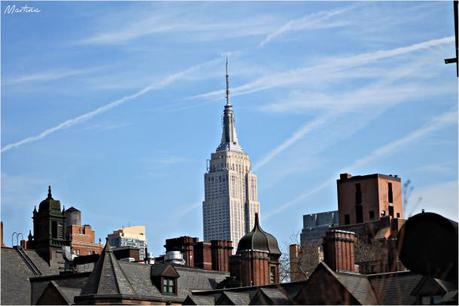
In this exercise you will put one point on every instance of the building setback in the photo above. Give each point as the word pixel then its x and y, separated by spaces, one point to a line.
pixel 231 199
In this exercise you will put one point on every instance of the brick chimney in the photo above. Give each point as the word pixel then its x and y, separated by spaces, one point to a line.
pixel 185 245
pixel 203 255
pixel 294 256
pixel 338 248
pixel 221 252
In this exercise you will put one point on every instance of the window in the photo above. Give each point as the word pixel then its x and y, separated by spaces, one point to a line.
pixel 347 219
pixel 358 194
pixel 391 210
pixel 371 214
pixel 168 285
pixel 390 194
pixel 272 275
pixel 54 229
pixel 398 215
pixel 359 214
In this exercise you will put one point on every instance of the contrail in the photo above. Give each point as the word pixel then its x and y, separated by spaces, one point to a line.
pixel 337 63
pixel 102 109
pixel 298 75
pixel 436 123
pixel 318 20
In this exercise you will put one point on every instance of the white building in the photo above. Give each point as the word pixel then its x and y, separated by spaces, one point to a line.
pixel 231 199
pixel 132 236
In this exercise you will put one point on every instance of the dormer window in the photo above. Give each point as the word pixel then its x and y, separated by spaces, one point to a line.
pixel 168 286
pixel 164 277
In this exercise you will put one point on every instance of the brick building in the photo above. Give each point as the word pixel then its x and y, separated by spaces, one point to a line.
pixel 49 233
pixel 367 198
pixel 256 261
pixel 335 282
pixel 81 237
pixel 368 205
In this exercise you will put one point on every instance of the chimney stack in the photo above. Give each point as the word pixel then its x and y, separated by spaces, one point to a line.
pixel 338 248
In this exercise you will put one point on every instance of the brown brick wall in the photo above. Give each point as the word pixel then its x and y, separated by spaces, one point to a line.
pixel 203 255
pixel 374 197
pixel 82 240
pixel 221 252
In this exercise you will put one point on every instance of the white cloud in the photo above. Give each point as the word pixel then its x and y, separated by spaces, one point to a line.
pixel 331 66
pixel 441 198
pixel 388 149
pixel 437 123
pixel 317 20
pixel 46 76
pixel 297 135
pixel 105 108
pixel 205 28
pixel 370 100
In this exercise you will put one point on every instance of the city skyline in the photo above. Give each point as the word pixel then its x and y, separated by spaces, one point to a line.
pixel 117 107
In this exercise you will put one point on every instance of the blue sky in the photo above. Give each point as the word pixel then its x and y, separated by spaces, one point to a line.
pixel 118 106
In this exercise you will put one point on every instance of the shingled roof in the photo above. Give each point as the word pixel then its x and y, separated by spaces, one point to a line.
pixel 120 280
pixel 324 286
pixel 108 277
pixel 395 287
pixel 15 274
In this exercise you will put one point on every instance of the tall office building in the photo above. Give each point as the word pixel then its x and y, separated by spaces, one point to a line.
pixel 231 199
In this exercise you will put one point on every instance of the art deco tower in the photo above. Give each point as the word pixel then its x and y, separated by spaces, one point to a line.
pixel 231 199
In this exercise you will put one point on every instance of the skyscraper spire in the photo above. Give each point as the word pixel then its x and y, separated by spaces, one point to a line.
pixel 229 136
pixel 227 84
pixel 49 192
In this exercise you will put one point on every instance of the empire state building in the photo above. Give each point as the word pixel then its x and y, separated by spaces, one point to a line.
pixel 231 199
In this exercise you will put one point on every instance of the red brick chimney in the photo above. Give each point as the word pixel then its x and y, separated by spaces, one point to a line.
pixel 338 249
pixel 203 255
pixel 221 252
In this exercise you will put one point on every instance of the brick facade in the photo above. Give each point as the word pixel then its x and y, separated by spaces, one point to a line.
pixel 338 248
pixel 367 198
pixel 82 240
pixel 213 255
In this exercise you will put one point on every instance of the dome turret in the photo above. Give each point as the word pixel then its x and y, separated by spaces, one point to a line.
pixel 259 240
pixel 49 203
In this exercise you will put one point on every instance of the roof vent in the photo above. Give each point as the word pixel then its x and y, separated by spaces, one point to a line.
pixel 344 176
pixel 174 257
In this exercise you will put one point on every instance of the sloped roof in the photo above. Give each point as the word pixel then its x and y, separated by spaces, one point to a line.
pixel 197 279
pixel 108 277
pixel 164 269
pixel 15 274
pixel 270 296
pixel 41 264
pixel 394 288
pixel 199 300
pixel 140 278
pixel 359 286
pixel 67 293
pixel 15 278
pixel 237 298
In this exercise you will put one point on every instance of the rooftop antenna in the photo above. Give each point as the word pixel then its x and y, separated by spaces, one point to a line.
pixel 227 84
